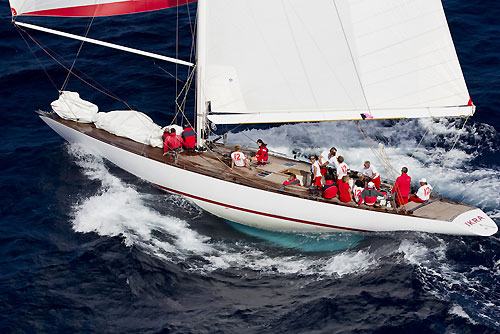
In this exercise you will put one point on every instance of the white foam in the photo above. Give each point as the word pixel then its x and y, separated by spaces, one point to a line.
pixel 445 279
pixel 417 253
pixel 118 209
pixel 337 265
pixel 350 262
pixel 459 311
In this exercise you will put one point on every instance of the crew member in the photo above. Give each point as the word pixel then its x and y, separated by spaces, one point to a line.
pixel 345 193
pixel 369 195
pixel 342 168
pixel 371 174
pixel 188 138
pixel 423 193
pixel 316 171
pixel 261 156
pixel 292 180
pixel 173 142
pixel 329 189
pixel 327 158
pixel 402 187
pixel 357 189
pixel 238 158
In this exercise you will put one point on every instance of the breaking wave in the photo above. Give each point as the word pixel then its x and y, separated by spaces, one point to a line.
pixel 467 287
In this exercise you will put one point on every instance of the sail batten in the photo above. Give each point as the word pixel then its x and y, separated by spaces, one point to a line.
pixel 346 56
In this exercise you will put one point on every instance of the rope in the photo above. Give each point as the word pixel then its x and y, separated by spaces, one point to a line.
pixel 420 142
pixel 19 30
pixel 352 57
pixel 176 55
pixel 73 73
pixel 65 83
pixel 445 160
pixel 184 89
pixel 382 157
pixel 84 74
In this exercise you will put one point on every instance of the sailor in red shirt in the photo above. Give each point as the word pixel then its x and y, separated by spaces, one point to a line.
pixel 402 187
pixel 345 192
pixel 292 180
pixel 261 156
pixel 369 195
pixel 188 138
pixel 173 142
pixel 329 189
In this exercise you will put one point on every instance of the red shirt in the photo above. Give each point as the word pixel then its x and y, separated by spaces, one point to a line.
pixel 172 142
pixel 329 189
pixel 344 192
pixel 291 182
pixel 262 153
pixel 188 138
pixel 402 186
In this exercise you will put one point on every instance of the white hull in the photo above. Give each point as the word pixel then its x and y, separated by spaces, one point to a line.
pixel 271 210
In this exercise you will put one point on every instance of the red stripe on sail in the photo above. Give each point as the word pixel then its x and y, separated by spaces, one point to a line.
pixel 109 9
pixel 470 102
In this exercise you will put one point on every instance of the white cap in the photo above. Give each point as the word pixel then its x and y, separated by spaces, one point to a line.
pixel 371 185
pixel 424 180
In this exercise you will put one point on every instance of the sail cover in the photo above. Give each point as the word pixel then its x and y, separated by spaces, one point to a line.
pixel 295 60
pixel 89 8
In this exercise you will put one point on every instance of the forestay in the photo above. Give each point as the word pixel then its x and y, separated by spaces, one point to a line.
pixel 295 60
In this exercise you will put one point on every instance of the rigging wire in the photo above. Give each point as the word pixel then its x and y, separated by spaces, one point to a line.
pixel 185 90
pixel 44 49
pixel 65 83
pixel 420 142
pixel 179 107
pixel 382 157
pixel 352 57
pixel 173 76
pixel 19 30
pixel 176 56
pixel 438 176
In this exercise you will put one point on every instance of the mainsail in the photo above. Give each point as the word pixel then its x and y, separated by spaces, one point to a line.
pixel 89 8
pixel 294 60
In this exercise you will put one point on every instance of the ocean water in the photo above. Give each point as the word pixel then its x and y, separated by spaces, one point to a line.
pixel 87 247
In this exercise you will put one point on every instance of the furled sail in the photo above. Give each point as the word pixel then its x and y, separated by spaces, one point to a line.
pixel 295 60
pixel 89 8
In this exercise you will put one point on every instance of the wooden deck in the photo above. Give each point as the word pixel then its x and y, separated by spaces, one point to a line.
pixel 270 177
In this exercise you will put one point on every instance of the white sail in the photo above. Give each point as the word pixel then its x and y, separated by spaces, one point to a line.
pixel 282 61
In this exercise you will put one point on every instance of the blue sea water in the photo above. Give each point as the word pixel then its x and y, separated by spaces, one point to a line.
pixel 87 247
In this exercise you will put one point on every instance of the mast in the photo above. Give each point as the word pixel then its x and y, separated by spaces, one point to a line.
pixel 201 108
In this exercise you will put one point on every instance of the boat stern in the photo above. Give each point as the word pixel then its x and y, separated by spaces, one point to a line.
pixel 476 222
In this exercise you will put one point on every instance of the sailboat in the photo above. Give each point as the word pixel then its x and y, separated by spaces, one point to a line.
pixel 269 61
